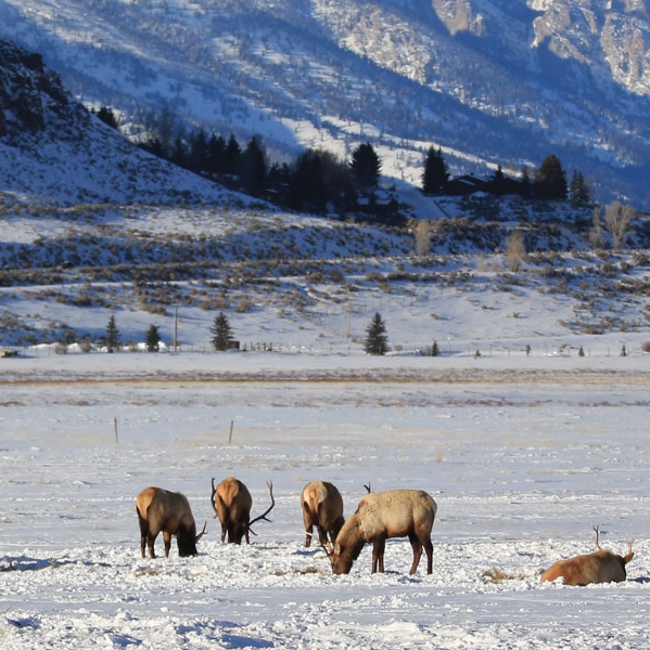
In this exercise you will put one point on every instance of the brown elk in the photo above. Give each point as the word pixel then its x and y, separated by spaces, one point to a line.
pixel 232 503
pixel 379 516
pixel 593 568
pixel 322 506
pixel 160 510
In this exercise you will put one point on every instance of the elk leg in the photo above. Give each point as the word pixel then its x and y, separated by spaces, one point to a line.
pixel 322 535
pixel 168 542
pixel 144 532
pixel 150 542
pixel 428 547
pixel 417 552
pixel 378 548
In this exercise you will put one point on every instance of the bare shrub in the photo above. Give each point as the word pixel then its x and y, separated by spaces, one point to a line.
pixel 515 250
pixel 422 237
pixel 617 220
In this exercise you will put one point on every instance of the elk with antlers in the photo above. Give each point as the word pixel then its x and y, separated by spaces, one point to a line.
pixel 160 510
pixel 322 506
pixel 593 568
pixel 232 503
pixel 379 516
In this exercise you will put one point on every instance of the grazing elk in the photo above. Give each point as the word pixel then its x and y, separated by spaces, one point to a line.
pixel 160 510
pixel 380 515
pixel 593 568
pixel 232 503
pixel 322 506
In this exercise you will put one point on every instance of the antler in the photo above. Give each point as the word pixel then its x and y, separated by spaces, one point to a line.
pixel 214 506
pixel 327 547
pixel 263 516
pixel 369 490
pixel 203 532
pixel 597 530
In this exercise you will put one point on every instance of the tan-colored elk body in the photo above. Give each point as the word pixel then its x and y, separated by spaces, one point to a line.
pixel 322 506
pixel 232 503
pixel 168 512
pixel 379 516
pixel 593 568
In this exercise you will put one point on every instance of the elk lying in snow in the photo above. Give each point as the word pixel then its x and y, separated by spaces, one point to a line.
pixel 380 515
pixel 160 510
pixel 596 567
pixel 322 506
pixel 232 503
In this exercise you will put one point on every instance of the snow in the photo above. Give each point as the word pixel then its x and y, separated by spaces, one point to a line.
pixel 522 455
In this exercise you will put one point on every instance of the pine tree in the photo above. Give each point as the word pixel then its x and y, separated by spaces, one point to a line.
pixel 366 166
pixel 435 175
pixel 376 340
pixel 152 339
pixel 232 155
pixel 112 335
pixel 107 116
pixel 253 167
pixel 550 180
pixel 307 186
pixel 579 190
pixel 221 333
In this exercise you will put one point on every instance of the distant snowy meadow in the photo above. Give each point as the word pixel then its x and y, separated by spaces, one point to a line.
pixel 521 454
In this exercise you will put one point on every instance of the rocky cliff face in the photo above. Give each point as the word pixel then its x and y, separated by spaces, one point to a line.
pixel 29 93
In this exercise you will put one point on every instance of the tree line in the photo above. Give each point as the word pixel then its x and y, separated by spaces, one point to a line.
pixel 318 182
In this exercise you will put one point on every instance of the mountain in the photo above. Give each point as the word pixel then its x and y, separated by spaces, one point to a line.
pixel 490 81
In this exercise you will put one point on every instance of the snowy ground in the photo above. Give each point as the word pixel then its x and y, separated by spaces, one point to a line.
pixel 522 455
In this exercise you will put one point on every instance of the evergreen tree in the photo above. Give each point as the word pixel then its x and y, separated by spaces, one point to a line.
pixel 307 186
pixel 253 167
pixel 216 155
pixel 376 340
pixel 112 335
pixel 198 154
pixel 498 183
pixel 366 166
pixel 231 156
pixel 221 333
pixel 152 339
pixel 435 175
pixel 179 154
pixel 579 190
pixel 107 116
pixel 550 180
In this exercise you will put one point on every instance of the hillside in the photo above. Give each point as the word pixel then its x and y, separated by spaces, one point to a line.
pixel 92 227
pixel 492 82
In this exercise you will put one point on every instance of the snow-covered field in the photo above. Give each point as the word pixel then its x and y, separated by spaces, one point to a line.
pixel 522 454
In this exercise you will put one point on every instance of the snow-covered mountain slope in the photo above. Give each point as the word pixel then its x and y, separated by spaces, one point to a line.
pixel 53 151
pixel 492 82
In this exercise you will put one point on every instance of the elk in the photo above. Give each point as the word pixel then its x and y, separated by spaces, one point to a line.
pixel 322 506
pixel 379 516
pixel 160 510
pixel 232 503
pixel 593 568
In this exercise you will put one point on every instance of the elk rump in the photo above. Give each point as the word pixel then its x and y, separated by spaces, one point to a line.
pixel 322 506
pixel 168 512
pixel 232 503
